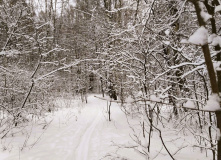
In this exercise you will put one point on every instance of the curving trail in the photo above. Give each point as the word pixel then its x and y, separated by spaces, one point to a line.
pixel 82 151
pixel 74 134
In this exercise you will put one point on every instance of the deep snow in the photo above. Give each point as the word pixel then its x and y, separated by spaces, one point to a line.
pixel 76 133
pixel 83 132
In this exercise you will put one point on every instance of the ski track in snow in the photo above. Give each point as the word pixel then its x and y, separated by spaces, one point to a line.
pixel 71 142
pixel 82 151
pixel 89 137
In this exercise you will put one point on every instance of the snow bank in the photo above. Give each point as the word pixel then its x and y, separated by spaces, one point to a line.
pixel 213 104
pixel 199 37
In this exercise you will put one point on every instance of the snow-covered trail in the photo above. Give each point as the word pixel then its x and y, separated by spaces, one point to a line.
pixel 82 151
pixel 94 118
pixel 88 137
pixel 86 134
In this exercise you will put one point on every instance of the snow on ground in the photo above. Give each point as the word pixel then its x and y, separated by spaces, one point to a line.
pixel 75 134
pixel 82 132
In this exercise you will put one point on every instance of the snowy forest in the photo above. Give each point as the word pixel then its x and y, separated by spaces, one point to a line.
pixel 110 79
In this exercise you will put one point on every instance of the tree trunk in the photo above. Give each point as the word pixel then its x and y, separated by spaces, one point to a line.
pixel 210 69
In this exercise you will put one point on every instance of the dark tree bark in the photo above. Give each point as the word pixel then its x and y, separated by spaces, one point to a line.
pixel 209 64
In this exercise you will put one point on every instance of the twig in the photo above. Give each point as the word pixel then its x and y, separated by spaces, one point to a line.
pixel 161 138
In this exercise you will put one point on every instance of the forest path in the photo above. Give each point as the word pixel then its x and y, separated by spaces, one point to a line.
pixel 89 118
pixel 83 132
pixel 76 133
pixel 83 147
